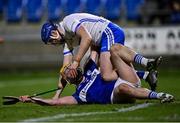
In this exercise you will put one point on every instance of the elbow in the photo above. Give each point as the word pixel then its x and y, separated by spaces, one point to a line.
pixel 89 39
pixel 55 102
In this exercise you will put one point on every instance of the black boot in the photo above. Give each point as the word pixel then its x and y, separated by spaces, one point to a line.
pixel 154 63
pixel 152 79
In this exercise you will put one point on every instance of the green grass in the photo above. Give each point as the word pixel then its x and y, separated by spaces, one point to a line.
pixel 29 83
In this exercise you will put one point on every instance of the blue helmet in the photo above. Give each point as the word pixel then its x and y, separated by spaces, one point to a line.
pixel 46 31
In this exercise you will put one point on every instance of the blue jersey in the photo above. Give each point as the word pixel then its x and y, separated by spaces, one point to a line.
pixel 94 89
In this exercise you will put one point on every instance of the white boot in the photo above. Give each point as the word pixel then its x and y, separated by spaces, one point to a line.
pixel 164 97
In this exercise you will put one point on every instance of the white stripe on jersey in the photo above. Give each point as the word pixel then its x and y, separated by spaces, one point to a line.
pixel 83 92
pixel 110 37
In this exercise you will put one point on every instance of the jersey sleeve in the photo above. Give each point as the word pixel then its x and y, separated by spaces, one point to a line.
pixel 71 23
pixel 75 95
pixel 66 50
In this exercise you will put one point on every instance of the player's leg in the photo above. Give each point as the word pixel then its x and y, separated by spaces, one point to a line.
pixel 106 67
pixel 126 92
pixel 142 74
pixel 124 70
pixel 129 55
pixel 112 34
pixel 109 74
pixel 149 77
pixel 116 35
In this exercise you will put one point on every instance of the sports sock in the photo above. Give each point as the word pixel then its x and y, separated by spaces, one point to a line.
pixel 142 74
pixel 139 59
pixel 153 95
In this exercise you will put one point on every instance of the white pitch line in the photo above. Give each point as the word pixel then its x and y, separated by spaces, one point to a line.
pixel 58 116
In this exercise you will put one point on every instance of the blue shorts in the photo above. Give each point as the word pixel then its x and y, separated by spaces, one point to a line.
pixel 111 35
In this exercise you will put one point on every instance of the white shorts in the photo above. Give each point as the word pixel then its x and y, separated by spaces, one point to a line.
pixel 121 81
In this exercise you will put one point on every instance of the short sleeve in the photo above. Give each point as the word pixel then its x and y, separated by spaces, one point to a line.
pixel 75 95
pixel 66 50
pixel 71 23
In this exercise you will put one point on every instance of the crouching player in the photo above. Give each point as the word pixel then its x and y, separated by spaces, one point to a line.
pixel 92 89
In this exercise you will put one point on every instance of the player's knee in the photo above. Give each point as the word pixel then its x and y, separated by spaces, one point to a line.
pixel 124 89
pixel 113 49
pixel 106 77
pixel 116 50
pixel 122 94
pixel 114 53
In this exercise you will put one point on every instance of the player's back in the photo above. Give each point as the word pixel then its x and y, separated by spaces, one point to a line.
pixel 94 24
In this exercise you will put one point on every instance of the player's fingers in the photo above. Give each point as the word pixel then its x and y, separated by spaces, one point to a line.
pixel 54 37
pixel 73 73
pixel 53 32
pixel 24 98
pixel 21 98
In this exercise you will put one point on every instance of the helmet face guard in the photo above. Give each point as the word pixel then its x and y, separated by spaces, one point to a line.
pixel 46 32
pixel 65 69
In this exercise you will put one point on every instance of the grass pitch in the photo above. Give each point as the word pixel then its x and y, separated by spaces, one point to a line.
pixel 29 83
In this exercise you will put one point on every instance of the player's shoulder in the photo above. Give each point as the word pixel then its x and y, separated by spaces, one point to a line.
pixel 90 65
pixel 72 16
pixel 80 16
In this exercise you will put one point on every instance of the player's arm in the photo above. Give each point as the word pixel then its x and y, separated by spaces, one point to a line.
pixel 84 45
pixel 67 100
pixel 61 84
pixel 72 23
pixel 67 53
pixel 67 60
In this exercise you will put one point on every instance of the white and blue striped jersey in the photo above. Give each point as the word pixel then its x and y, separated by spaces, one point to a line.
pixel 95 25
pixel 94 89
pixel 103 32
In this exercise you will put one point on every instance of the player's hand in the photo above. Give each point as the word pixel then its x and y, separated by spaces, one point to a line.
pixel 24 98
pixel 54 34
pixel 72 73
